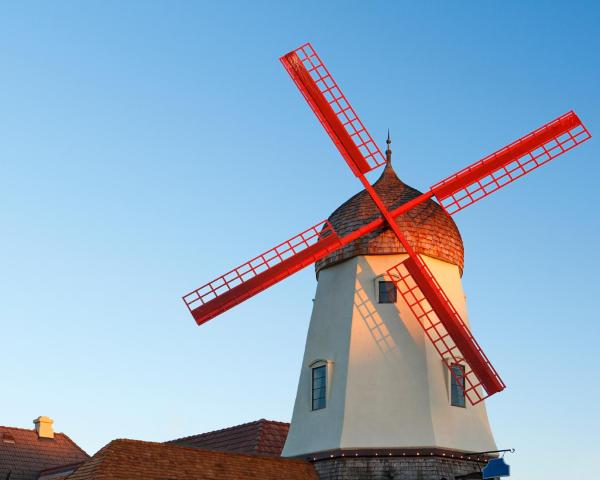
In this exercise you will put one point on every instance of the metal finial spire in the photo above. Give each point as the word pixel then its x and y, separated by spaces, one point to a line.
pixel 388 152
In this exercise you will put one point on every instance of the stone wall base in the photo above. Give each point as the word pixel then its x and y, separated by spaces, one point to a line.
pixel 395 468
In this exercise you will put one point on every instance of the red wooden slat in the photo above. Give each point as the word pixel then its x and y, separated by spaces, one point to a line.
pixel 261 272
pixel 511 162
pixel 445 328
pixel 276 264
pixel 333 110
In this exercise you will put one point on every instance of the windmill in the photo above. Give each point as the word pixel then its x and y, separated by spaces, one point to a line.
pixel 413 279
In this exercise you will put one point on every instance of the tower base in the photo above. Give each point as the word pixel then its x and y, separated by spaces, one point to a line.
pixel 424 464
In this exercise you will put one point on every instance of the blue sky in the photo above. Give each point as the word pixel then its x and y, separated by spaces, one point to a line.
pixel 147 147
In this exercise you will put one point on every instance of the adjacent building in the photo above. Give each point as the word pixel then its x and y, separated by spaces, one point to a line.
pixel 39 453
pixel 136 460
pixel 262 437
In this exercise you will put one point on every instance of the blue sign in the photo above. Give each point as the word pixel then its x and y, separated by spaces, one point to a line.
pixel 496 468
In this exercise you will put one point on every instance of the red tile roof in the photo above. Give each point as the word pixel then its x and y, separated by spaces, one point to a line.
pixel 262 437
pixel 24 454
pixel 427 227
pixel 136 460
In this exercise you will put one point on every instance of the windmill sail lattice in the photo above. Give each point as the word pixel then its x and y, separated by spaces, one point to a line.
pixel 446 329
pixel 261 272
pixel 333 109
pixel 418 287
pixel 274 265
pixel 510 163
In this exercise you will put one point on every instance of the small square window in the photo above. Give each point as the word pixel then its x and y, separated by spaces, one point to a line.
pixel 457 386
pixel 387 292
pixel 319 387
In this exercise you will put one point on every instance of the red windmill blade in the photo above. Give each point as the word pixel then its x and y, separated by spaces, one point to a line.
pixel 445 328
pixel 415 282
pixel 506 165
pixel 274 265
pixel 333 109
pixel 261 272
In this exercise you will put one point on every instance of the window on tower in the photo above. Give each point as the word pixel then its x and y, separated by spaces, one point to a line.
pixel 457 385
pixel 387 292
pixel 319 387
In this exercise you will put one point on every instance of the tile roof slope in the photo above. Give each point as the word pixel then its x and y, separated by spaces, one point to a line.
pixel 29 454
pixel 427 227
pixel 261 437
pixel 137 460
pixel 272 437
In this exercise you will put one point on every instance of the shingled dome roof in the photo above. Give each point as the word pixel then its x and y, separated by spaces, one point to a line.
pixel 427 227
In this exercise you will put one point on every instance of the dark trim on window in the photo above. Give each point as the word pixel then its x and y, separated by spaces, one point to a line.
pixel 387 291
pixel 457 385
pixel 319 387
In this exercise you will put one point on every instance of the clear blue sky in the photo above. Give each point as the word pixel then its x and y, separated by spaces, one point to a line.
pixel 148 146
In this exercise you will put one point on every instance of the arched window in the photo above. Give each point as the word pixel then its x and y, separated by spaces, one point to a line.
pixel 320 383
pixel 457 385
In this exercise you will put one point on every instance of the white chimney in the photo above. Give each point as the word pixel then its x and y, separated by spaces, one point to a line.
pixel 43 427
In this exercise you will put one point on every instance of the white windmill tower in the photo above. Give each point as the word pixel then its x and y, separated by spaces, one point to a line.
pixel 371 382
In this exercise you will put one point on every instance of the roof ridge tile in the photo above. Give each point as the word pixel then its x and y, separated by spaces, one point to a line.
pixel 213 431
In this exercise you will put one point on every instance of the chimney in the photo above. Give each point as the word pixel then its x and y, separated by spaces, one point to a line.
pixel 43 427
